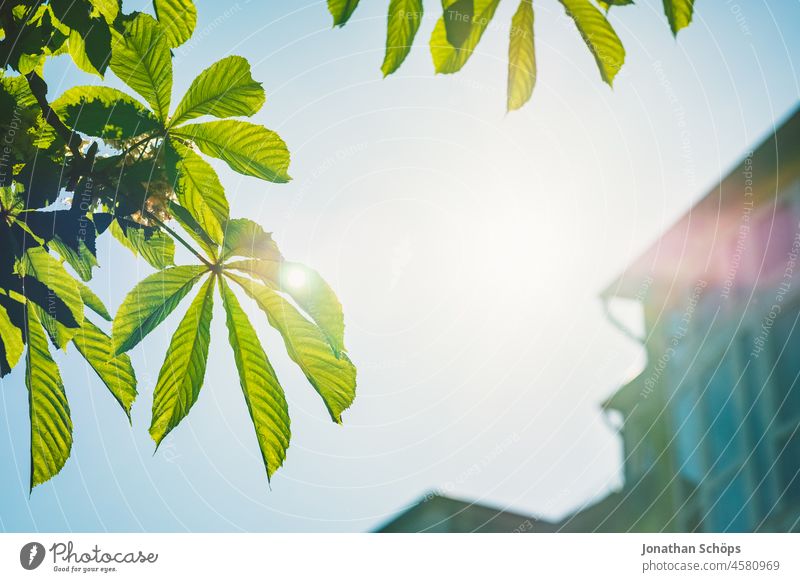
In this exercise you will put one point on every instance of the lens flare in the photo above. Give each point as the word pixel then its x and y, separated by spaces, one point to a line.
pixel 295 278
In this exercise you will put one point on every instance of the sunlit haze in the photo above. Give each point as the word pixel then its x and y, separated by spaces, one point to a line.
pixel 468 247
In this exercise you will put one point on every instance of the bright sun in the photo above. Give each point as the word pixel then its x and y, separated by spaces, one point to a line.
pixel 296 278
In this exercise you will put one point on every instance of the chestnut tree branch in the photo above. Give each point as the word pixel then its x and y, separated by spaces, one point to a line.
pixel 39 89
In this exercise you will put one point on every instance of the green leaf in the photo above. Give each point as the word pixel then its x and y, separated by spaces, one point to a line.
pixel 155 247
pixel 198 188
pixel 245 238
pixel 458 16
pixel 599 36
pixel 141 58
pixel 91 50
pixel 247 148
pixel 82 260
pixel 193 228
pixel 404 19
pixel 679 13
pixel 150 302
pixel 334 378
pixel 108 9
pixel 341 10
pixel 48 302
pixel 42 179
pixel 104 112
pixel 72 13
pixel 307 288
pixel 11 344
pixel 266 402
pixel 448 58
pixel 31 63
pixel 77 50
pixel 42 266
pixel 178 17
pixel 225 89
pixel 606 4
pixel 51 425
pixel 115 371
pixel 60 335
pixel 184 368
pixel 93 302
pixel 521 57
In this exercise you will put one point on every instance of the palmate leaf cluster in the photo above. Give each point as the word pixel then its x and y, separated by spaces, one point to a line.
pixel 460 27
pixel 97 160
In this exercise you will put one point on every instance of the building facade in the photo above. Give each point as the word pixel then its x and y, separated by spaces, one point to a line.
pixel 710 426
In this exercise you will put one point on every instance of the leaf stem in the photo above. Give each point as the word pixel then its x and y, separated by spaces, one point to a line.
pixel 38 88
pixel 144 140
pixel 180 239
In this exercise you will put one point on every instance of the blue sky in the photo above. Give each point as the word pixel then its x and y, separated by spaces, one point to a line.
pixel 467 245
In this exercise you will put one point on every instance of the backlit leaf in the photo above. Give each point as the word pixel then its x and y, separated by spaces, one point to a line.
pixel 458 16
pixel 115 371
pixel 154 246
pixel 51 425
pixel 104 112
pixel 247 148
pixel 93 302
pixel 39 294
pixel 193 229
pixel 307 288
pixel 679 13
pixel 599 36
pixel 198 188
pixel 225 89
pixel 184 368
pixel 178 17
pixel 404 19
pixel 448 58
pixel 60 335
pixel 108 9
pixel 11 345
pixel 341 10
pixel 262 392
pixel 141 58
pixel 82 259
pixel 245 238
pixel 150 302
pixel 606 4
pixel 91 50
pixel 46 269
pixel 334 378
pixel 521 57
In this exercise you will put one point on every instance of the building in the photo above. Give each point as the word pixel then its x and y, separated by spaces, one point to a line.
pixel 710 426
pixel 436 513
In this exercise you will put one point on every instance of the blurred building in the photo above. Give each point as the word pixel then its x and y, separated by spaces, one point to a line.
pixel 436 513
pixel 710 426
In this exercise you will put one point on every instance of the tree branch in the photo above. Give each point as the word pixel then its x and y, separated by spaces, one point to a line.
pixel 178 238
pixel 39 89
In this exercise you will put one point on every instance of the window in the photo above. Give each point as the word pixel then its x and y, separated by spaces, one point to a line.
pixel 785 343
pixel 688 428
pixel 726 489
pixel 757 414
pixel 727 505
pixel 788 469
pixel 726 446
